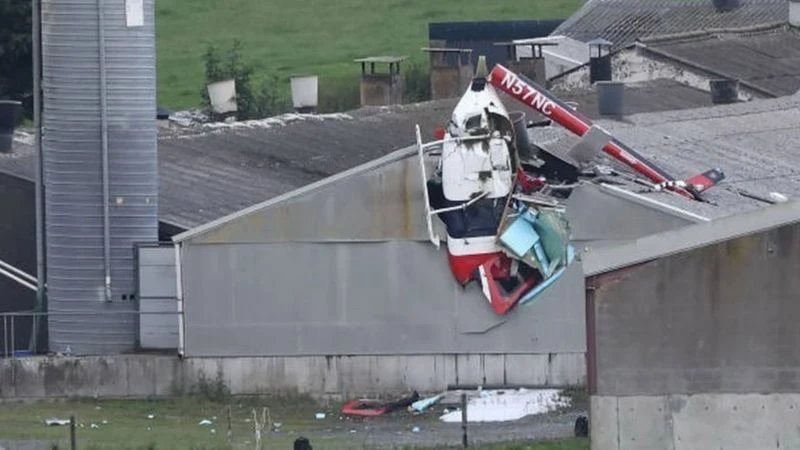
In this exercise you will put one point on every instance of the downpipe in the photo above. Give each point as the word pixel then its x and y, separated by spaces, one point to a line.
pixel 179 292
pixel 104 138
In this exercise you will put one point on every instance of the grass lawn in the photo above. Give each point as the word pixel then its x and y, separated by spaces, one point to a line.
pixel 175 425
pixel 287 37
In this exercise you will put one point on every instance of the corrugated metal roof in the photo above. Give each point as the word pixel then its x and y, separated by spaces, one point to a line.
pixel 605 259
pixel 624 21
pixel 207 173
pixel 755 143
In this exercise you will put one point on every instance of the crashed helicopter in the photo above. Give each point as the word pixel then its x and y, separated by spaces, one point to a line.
pixel 504 221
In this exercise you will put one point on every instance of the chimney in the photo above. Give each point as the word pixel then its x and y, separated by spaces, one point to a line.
pixel 381 89
pixel 451 71
pixel 794 13
pixel 525 57
pixel 610 98
pixel 725 5
pixel 10 113
pixel 724 91
pixel 305 93
pixel 599 60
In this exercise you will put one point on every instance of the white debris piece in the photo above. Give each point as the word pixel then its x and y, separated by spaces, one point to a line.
pixel 279 121
pixel 320 416
pixel 56 422
pixel 151 416
pixel 204 422
pixel 507 405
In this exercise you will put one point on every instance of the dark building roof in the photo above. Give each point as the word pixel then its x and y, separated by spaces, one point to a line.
pixel 640 97
pixel 624 21
pixel 481 36
pixel 767 60
pixel 208 172
pixel 754 143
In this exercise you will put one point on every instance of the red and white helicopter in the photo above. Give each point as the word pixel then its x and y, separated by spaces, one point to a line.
pixel 500 231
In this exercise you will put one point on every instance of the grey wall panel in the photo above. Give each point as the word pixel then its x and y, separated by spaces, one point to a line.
pixel 595 215
pixel 394 297
pixel 383 203
pixel 721 318
pixel 158 302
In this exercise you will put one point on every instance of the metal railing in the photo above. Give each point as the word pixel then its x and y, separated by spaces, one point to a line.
pixel 20 329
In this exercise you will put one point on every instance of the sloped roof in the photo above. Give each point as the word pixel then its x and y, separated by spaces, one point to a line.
pixel 641 97
pixel 605 259
pixel 756 144
pixel 624 21
pixel 208 172
pixel 767 59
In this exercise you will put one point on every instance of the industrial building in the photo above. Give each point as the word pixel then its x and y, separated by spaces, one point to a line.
pixel 292 253
pixel 692 336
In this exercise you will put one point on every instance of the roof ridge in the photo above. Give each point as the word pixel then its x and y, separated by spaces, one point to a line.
pixel 713 32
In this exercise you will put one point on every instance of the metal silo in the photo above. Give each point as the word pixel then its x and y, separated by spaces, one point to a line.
pixel 99 144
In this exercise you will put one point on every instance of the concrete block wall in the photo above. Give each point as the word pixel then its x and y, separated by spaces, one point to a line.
pixel 699 350
pixel 696 422
pixel 143 376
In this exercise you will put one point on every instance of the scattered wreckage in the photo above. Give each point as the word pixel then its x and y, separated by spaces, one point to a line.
pixel 502 210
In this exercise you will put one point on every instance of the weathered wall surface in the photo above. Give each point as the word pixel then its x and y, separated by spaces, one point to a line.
pixel 699 349
pixel 633 65
pixel 142 376
pixel 695 422
pixel 368 298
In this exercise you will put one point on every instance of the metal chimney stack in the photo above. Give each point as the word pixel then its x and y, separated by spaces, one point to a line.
pixel 724 91
pixel 599 60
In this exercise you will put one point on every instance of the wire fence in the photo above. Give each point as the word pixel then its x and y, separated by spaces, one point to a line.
pixel 22 331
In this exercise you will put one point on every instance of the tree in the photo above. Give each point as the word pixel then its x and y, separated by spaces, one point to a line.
pixel 252 102
pixel 16 48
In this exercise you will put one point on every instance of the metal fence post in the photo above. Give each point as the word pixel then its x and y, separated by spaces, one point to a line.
pixel 464 440
pixel 72 440
pixel 5 336
pixel 13 340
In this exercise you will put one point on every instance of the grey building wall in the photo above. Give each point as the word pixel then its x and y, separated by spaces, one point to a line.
pixel 699 349
pixel 394 297
pixel 344 267
pixel 156 288
pixel 148 376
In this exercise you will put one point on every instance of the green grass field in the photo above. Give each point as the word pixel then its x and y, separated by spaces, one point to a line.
pixel 175 425
pixel 286 37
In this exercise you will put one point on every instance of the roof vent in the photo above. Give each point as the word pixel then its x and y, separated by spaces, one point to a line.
pixel 304 93
pixel 610 98
pixel 724 91
pixel 726 5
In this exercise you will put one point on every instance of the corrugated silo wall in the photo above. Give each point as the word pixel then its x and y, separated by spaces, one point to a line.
pixel 82 317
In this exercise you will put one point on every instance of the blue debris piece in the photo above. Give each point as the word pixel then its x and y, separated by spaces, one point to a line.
pixel 520 237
